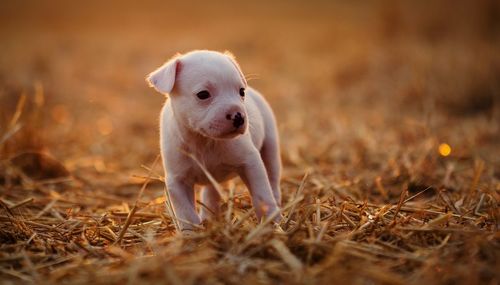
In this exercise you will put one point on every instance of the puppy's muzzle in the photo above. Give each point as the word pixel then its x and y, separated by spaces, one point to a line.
pixel 238 119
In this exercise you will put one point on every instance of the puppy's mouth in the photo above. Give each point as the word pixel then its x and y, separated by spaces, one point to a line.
pixel 230 134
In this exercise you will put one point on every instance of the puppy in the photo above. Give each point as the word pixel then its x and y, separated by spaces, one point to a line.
pixel 215 121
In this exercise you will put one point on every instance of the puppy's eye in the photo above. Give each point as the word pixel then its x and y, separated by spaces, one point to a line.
pixel 203 95
pixel 242 92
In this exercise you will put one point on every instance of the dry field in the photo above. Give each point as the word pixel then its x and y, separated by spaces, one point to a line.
pixel 388 112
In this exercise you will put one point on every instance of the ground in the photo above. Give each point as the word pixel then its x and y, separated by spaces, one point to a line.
pixel 388 115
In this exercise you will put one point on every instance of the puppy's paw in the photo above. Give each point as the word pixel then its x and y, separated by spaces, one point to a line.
pixel 192 231
pixel 188 233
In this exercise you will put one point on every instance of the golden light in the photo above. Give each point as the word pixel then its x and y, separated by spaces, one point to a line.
pixel 444 149
pixel 99 165
pixel 160 200
pixel 104 126
pixel 60 114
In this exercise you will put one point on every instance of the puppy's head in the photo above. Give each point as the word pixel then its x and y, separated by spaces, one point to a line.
pixel 207 90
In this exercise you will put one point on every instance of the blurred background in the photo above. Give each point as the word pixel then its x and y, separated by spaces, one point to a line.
pixel 376 101
pixel 354 84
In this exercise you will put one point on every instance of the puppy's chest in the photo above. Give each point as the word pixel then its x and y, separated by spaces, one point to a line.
pixel 220 164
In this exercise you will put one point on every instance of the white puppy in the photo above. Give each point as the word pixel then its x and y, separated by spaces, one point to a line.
pixel 225 125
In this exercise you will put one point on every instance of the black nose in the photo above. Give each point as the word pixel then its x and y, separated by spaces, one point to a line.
pixel 238 120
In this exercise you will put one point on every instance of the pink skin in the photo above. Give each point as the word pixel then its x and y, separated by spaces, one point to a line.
pixel 228 133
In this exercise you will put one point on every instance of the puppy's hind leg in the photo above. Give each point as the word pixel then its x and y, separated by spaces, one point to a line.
pixel 270 154
pixel 210 198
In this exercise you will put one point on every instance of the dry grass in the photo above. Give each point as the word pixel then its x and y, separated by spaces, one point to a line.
pixel 366 98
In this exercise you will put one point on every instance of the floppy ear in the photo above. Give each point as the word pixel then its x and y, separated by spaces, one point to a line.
pixel 163 78
pixel 233 60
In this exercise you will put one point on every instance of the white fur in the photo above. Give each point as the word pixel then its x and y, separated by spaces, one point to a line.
pixel 203 129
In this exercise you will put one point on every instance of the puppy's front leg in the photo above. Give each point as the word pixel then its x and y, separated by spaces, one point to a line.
pixel 255 177
pixel 182 198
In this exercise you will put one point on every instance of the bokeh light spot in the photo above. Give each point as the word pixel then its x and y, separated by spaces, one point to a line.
pixel 444 149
